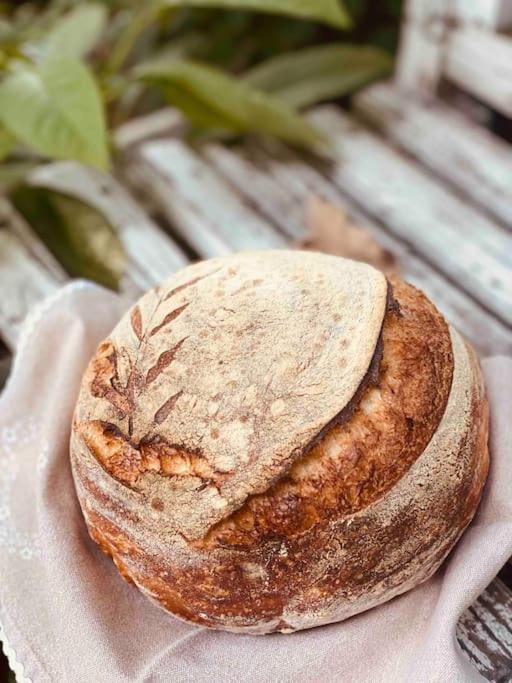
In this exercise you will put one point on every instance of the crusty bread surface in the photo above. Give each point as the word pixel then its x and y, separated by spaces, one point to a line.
pixel 272 441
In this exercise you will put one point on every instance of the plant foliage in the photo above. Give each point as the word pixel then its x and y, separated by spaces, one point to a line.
pixel 70 70
pixel 79 236
pixel 73 70
pixel 55 108
pixel 232 104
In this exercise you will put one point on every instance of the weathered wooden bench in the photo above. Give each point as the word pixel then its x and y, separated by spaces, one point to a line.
pixel 432 186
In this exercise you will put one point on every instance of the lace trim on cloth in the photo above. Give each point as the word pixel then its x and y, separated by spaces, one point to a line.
pixel 26 333
pixel 16 666
pixel 35 315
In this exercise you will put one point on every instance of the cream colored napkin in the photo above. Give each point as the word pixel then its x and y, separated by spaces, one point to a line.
pixel 67 615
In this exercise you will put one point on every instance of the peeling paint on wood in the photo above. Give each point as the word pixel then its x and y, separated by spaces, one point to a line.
pixel 422 41
pixel 24 282
pixel 466 245
pixel 17 225
pixel 485 634
pixel 200 205
pixel 489 14
pixel 481 63
pixel 159 124
pixel 278 182
pixel 459 151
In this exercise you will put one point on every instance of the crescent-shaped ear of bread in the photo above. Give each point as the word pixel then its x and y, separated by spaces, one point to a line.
pixel 272 441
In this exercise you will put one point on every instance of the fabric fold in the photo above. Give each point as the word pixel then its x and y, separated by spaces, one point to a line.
pixel 68 616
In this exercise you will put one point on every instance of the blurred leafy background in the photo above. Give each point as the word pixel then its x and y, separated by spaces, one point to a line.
pixel 72 71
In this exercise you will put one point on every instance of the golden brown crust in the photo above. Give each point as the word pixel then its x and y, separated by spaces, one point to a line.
pixel 369 511
pixel 361 458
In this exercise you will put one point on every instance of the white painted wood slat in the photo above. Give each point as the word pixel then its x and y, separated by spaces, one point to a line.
pixel 422 40
pixel 489 623
pixel 160 123
pixel 464 154
pixel 464 244
pixel 278 183
pixel 484 632
pixel 489 14
pixel 200 205
pixel 16 224
pixel 24 282
pixel 481 63
pixel 246 171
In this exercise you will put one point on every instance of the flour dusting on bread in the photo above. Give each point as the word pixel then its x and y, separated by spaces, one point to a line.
pixel 271 441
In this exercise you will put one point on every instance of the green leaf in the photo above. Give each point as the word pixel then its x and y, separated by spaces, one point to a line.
pixel 76 33
pixel 55 108
pixel 6 30
pixel 356 8
pixel 79 236
pixel 208 94
pixel 330 12
pixel 7 143
pixel 319 73
pixel 196 109
pixel 385 37
pixel 395 8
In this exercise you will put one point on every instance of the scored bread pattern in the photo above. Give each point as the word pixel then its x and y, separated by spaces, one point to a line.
pixel 124 457
pixel 273 441
pixel 215 368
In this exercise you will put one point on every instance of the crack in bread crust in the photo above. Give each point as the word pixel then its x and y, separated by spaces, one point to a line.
pixel 361 457
pixel 228 371
pixel 128 461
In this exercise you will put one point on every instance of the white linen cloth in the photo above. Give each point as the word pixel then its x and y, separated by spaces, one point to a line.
pixel 68 616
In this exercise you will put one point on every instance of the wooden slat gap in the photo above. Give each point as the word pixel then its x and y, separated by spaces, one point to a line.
pixel 464 643
pixel 425 258
pixel 454 189
pixel 492 637
pixel 401 123
pixel 154 211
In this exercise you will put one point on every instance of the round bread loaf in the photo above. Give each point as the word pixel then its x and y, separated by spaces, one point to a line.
pixel 272 441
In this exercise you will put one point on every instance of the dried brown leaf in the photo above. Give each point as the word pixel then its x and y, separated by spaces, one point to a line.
pixel 331 231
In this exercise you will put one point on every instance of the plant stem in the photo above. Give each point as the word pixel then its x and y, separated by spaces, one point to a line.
pixel 121 50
